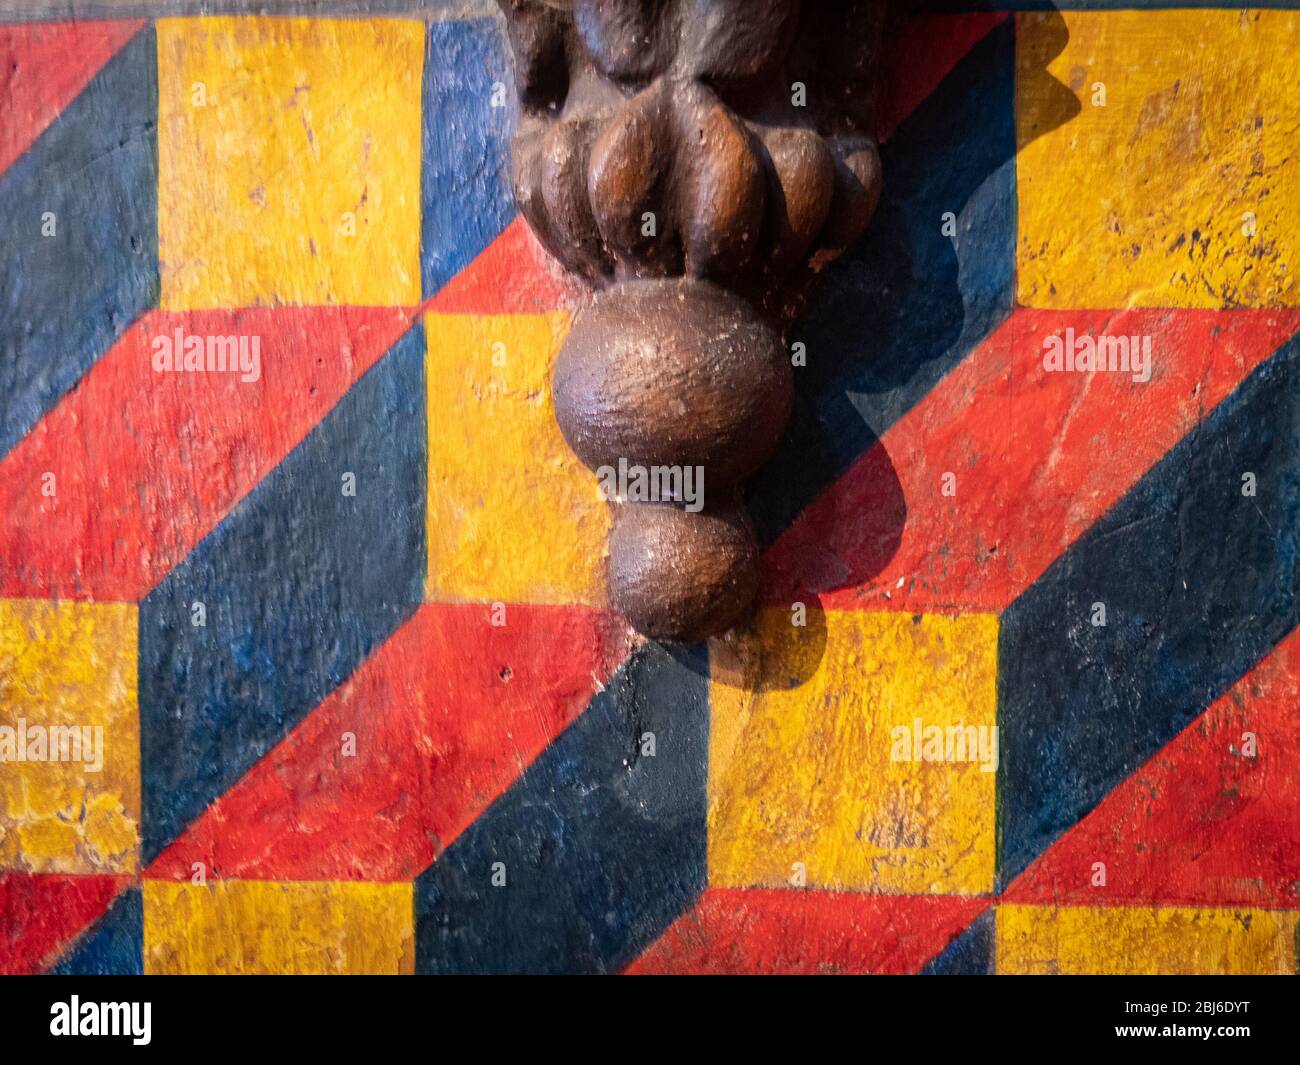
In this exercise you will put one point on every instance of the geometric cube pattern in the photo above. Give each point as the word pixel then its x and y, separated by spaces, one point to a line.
pixel 305 659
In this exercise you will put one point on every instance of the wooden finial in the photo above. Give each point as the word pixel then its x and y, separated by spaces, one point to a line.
pixel 697 162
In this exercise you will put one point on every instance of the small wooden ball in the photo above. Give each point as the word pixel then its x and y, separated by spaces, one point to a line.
pixel 682 576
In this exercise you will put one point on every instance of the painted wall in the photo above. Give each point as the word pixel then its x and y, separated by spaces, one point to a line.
pixel 331 622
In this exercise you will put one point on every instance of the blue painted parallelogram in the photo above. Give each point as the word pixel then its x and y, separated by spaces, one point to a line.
pixel 465 176
pixel 1199 582
pixel 601 846
pixel 66 297
pixel 113 945
pixel 299 583
pixel 971 953
pixel 906 303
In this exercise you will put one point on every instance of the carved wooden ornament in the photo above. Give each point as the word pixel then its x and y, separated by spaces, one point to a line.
pixel 697 162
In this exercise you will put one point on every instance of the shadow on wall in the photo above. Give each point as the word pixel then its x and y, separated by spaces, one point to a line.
pixel 908 302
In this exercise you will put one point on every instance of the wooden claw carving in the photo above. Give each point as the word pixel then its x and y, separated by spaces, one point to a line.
pixel 697 162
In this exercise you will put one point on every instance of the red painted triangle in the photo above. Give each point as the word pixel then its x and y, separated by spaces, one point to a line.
pixel 41 913
pixel 43 66
pixel 789 932
pixel 1201 823
pixel 512 275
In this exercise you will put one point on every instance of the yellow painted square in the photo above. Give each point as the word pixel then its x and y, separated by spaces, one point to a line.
pixel 1151 199
pixel 289 161
pixel 803 782
pixel 69 799
pixel 234 927
pixel 1144 941
pixel 513 515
